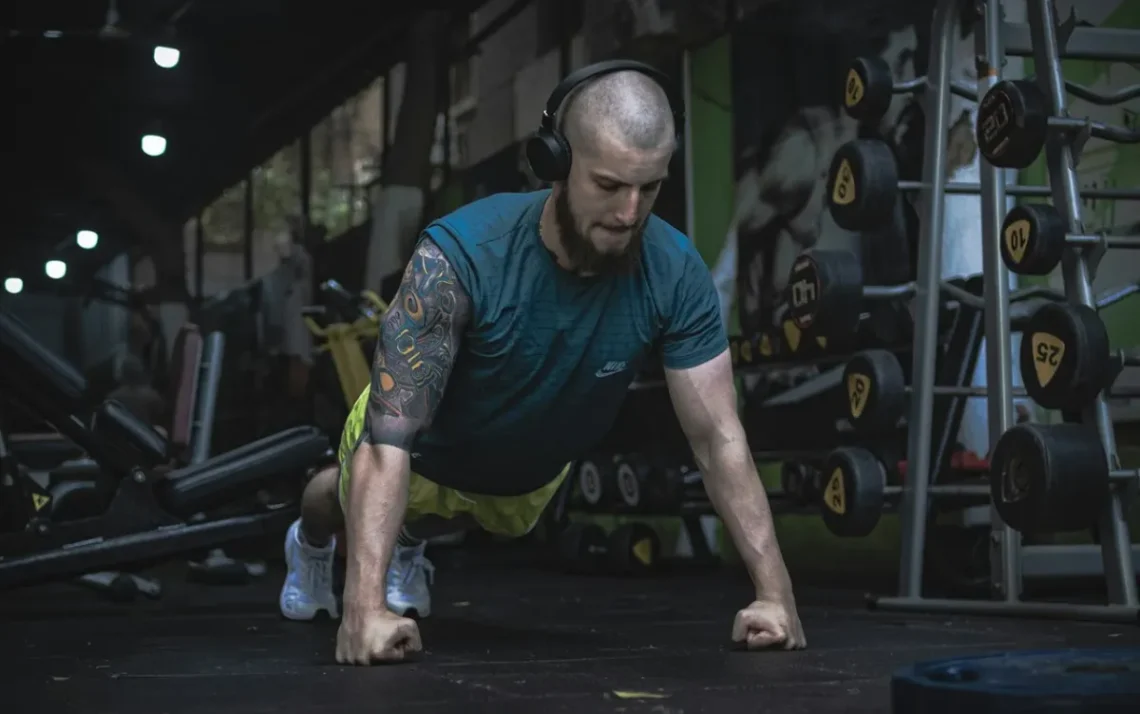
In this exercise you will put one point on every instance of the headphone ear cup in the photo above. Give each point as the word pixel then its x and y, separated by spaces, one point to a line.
pixel 548 154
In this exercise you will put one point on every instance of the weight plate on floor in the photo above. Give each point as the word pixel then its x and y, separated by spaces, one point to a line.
pixel 863 185
pixel 876 391
pixel 1013 123
pixel 868 89
pixel 853 487
pixel 1032 239
pixel 825 292
pixel 1092 681
pixel 1064 356
pixel 1049 478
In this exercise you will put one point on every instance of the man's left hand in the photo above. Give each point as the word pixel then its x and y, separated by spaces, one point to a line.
pixel 769 624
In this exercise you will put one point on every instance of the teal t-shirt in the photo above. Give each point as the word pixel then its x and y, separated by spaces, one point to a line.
pixel 548 356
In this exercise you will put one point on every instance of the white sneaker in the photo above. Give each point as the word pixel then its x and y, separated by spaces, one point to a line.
pixel 408 578
pixel 308 587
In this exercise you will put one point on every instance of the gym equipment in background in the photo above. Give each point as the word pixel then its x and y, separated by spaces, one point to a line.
pixel 348 321
pixel 156 509
pixel 1033 467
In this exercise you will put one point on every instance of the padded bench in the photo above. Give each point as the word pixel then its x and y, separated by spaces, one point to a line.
pixel 226 477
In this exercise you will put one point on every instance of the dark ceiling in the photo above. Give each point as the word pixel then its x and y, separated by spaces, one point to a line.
pixel 79 94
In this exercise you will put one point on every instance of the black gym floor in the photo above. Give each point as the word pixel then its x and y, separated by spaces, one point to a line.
pixel 507 636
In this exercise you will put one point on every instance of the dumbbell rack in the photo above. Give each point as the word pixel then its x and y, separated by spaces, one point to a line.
pixel 1046 42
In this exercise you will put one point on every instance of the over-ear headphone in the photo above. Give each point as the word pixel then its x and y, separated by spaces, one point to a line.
pixel 548 151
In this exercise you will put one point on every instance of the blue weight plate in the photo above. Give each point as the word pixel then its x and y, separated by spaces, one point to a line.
pixel 1103 681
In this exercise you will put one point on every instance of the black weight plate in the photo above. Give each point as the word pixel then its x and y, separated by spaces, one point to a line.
pixel 825 292
pixel 633 549
pixel 1064 355
pixel 868 89
pixel 1049 478
pixel 1032 239
pixel 594 482
pixel 875 390
pixel 1013 123
pixel 632 476
pixel 862 185
pixel 582 546
pixel 1092 681
pixel 853 481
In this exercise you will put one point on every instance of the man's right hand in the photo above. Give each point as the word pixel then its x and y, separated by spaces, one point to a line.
pixel 373 636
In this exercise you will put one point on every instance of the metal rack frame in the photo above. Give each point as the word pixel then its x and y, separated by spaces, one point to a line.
pixel 1011 561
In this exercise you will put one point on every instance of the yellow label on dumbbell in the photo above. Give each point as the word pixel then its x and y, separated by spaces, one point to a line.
pixel 858 386
pixel 643 551
pixel 734 352
pixel 1048 353
pixel 835 496
pixel 746 352
pixel 844 191
pixel 765 345
pixel 821 341
pixel 854 93
pixel 39 501
pixel 1017 239
pixel 792 335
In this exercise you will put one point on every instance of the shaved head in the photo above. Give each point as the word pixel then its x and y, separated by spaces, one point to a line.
pixel 626 109
pixel 622 138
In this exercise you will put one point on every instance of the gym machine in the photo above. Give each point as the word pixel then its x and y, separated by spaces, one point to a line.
pixel 155 507
pixel 341 323
pixel 1042 478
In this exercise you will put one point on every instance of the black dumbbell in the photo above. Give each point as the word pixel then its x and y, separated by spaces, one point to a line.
pixel 631 549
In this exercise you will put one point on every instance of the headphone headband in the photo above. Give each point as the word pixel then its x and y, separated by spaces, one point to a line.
pixel 585 74
pixel 548 151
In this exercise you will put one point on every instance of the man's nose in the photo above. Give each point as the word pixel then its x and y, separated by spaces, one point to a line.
pixel 628 208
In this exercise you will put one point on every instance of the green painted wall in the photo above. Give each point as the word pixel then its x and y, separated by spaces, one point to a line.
pixel 710 109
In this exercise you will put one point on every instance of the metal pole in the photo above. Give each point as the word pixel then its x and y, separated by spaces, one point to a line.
pixel 1005 543
pixel 687 141
pixel 1120 574
pixel 213 353
pixel 944 29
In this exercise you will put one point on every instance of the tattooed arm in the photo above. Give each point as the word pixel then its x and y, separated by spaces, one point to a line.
pixel 417 346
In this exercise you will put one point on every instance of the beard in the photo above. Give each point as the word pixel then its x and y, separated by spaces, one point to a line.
pixel 583 255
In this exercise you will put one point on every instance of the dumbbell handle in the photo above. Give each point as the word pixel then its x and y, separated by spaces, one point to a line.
pixel 974 189
pixel 1131 242
pixel 919 84
pixel 947 391
pixel 1124 474
pixel 959 489
pixel 1115 134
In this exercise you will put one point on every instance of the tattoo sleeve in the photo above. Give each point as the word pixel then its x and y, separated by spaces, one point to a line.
pixel 416 350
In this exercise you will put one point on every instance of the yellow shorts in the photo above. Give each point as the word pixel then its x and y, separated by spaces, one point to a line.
pixel 511 516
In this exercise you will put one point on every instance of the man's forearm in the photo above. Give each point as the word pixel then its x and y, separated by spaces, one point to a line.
pixel 377 500
pixel 738 495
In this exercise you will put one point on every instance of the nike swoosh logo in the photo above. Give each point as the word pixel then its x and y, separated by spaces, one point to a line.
pixel 608 372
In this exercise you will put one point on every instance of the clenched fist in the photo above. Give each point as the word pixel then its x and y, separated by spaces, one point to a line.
pixel 769 624
pixel 375 636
